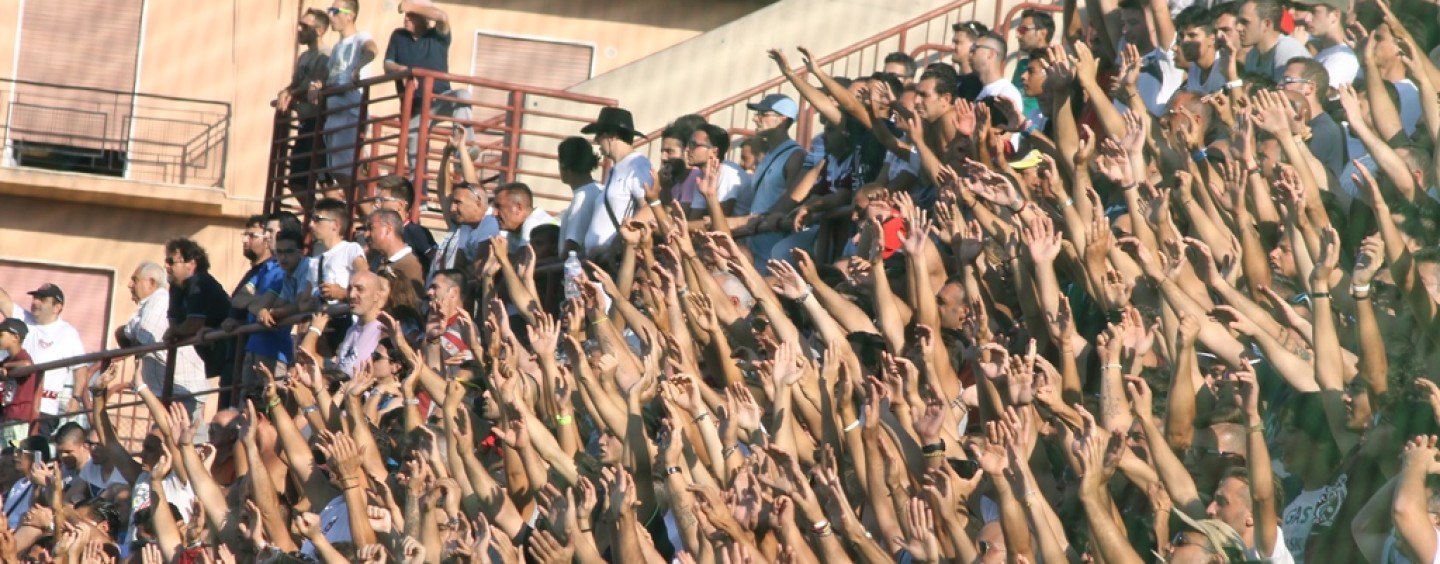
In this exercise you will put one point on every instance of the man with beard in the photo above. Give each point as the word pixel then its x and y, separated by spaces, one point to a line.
pixel 259 289
pixel 312 66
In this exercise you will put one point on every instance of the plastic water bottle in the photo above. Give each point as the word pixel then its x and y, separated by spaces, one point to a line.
pixel 574 273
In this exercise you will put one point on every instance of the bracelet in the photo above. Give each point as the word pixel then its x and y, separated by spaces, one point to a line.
pixel 315 330
pixel 1256 428
pixel 673 470
pixel 1132 186
pixel 1360 288
pixel 142 387
pixel 412 401
pixel 272 404
pixel 1359 295
pixel 1068 202
pixel 809 291
pixel 819 526
pixel 653 203
pixel 599 321
pixel 936 454
pixel 1199 155
pixel 97 390
pixel 563 420
pixel 1318 295
pixel 1115 366
pixel 729 451
pixel 934 447
pixel 701 416
pixel 309 409
pixel 1235 83
pixel 852 426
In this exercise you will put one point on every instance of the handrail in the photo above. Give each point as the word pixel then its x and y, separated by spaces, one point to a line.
pixel 205 337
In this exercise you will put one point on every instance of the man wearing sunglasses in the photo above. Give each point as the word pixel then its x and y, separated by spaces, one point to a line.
pixel 312 66
pixel 354 50
pixel 1309 78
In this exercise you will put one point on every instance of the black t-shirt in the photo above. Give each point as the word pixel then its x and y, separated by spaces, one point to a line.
pixel 200 296
pixel 1327 142
pixel 969 86
pixel 429 51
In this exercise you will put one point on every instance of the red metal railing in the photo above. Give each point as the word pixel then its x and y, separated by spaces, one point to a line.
pixel 926 38
pixel 500 116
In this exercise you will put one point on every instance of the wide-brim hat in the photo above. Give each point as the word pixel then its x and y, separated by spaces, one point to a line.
pixel 612 120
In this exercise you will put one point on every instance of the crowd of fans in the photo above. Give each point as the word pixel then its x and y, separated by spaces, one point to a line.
pixel 1168 292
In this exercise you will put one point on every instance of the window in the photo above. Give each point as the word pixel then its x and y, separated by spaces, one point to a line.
pixel 528 61
pixel 82 56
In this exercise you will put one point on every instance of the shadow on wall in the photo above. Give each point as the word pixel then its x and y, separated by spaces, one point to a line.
pixel 659 13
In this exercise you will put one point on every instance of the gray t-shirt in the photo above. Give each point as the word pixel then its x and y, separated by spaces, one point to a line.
pixel 1274 60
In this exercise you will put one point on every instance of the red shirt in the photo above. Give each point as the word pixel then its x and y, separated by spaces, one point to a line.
pixel 21 393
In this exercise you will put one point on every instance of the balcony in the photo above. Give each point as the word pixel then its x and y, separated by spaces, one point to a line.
pixel 121 148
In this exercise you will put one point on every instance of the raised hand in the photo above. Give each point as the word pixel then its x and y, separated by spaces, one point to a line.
pixel 1368 260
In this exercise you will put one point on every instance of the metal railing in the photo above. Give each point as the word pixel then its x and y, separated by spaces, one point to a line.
pixel 925 37
pixel 130 135
pixel 500 116
pixel 131 426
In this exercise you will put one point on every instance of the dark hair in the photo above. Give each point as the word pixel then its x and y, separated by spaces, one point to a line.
pixel 337 207
pixel 575 155
pixel 320 16
pixel 1224 9
pixel 291 236
pixel 717 136
pixel 288 221
pixel 946 83
pixel 1042 19
pixel 691 121
pixel 189 250
pixel 257 220
pixel 105 512
pixel 398 186
pixel 1196 16
pixel 973 28
pixel 69 431
pixel 999 44
pixel 1313 71
pixel 38 444
pixel 899 57
pixel 526 195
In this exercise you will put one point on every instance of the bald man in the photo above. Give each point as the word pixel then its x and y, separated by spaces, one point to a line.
pixel 368 295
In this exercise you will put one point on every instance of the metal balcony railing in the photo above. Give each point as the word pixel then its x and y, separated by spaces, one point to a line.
pixel 501 116
pixel 130 135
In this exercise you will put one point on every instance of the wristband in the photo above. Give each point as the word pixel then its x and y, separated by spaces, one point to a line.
pixel 314 329
pixel 1237 83
pixel 934 447
pixel 142 387
pixel 852 426
pixel 1199 155
pixel 1115 366
pixel 1256 428
pixel 1318 295
pixel 819 526
pixel 1068 202
pixel 1132 186
pixel 653 203
pixel 701 416
pixel 673 470
pixel 412 401
pixel 563 420
pixel 1360 288
pixel 809 291
pixel 309 409
pixel 599 321
pixel 936 454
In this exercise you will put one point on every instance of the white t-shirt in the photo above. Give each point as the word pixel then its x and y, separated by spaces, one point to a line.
pixel 732 181
pixel 1159 79
pixel 1002 89
pixel 1281 554
pixel 339 264
pixel 536 218
pixel 575 220
pixel 345 57
pixel 1340 63
pixel 1312 508
pixel 47 343
pixel 622 192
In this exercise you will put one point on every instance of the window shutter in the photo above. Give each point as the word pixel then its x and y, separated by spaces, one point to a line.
pixel 528 62
pixel 77 43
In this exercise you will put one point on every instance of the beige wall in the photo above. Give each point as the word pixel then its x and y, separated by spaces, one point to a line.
pixel 111 238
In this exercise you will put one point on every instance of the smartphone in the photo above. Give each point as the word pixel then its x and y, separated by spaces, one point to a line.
pixel 965 468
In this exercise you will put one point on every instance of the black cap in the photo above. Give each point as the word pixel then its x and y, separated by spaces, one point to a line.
pixel 14 326
pixel 49 291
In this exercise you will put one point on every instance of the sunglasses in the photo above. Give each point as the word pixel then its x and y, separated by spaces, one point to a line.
pixel 377 357
pixel 695 145
pixel 337 11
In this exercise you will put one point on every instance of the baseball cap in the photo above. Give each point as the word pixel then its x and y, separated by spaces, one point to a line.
pixel 14 326
pixel 49 291
pixel 778 103
pixel 1221 539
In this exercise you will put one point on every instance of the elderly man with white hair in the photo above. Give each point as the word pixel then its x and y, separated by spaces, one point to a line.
pixel 149 288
